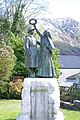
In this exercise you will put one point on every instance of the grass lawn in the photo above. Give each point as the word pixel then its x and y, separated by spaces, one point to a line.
pixel 71 115
pixel 10 109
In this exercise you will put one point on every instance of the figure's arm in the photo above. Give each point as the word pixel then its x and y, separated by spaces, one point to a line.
pixel 38 31
pixel 26 42
pixel 27 45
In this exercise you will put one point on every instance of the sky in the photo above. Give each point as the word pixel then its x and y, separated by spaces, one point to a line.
pixel 64 8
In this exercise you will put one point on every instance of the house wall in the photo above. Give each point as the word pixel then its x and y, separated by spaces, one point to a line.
pixel 66 73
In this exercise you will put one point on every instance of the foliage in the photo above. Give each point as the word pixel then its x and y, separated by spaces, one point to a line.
pixel 55 59
pixel 4 30
pixel 77 94
pixel 4 24
pixel 29 8
pixel 17 45
pixel 18 25
pixel 14 95
pixel 65 94
pixel 70 93
pixel 7 61
pixel 4 90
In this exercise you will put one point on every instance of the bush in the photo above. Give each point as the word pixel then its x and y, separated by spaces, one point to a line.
pixel 14 95
pixel 4 90
pixel 55 58
pixel 70 93
pixel 17 45
pixel 7 62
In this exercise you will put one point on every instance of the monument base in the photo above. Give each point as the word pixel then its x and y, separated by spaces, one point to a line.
pixel 40 100
pixel 23 117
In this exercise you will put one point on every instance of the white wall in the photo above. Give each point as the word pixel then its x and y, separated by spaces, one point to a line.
pixel 66 73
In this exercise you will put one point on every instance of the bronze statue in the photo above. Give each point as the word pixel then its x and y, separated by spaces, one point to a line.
pixel 44 63
pixel 45 67
pixel 31 53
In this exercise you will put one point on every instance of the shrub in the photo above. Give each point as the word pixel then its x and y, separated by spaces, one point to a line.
pixel 7 62
pixel 70 93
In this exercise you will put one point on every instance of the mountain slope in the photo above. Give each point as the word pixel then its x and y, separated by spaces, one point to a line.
pixel 65 33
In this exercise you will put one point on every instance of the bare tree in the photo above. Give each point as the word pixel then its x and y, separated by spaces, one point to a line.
pixel 29 8
pixel 20 11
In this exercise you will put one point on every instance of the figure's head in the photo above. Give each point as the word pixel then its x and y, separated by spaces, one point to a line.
pixel 30 29
pixel 47 34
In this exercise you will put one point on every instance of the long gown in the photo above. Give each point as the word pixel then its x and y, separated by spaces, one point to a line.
pixel 46 68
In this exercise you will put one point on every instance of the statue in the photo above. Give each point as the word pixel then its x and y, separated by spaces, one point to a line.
pixel 40 96
pixel 42 62
pixel 45 67
pixel 31 53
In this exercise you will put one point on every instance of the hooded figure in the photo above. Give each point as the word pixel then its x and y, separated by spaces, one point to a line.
pixel 45 68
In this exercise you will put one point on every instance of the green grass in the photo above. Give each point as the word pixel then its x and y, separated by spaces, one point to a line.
pixel 10 109
pixel 71 115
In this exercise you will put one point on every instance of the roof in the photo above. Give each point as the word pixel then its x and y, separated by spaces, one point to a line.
pixel 69 61
pixel 66 84
pixel 74 76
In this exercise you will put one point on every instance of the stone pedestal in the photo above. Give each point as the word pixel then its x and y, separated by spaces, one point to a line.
pixel 40 100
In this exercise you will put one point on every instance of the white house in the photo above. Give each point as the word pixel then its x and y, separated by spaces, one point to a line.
pixel 70 66
pixel 75 79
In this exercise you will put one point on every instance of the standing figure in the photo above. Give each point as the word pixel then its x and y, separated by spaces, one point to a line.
pixel 45 68
pixel 31 53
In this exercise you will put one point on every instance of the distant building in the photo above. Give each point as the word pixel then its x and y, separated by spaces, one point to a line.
pixel 70 66
pixel 75 79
